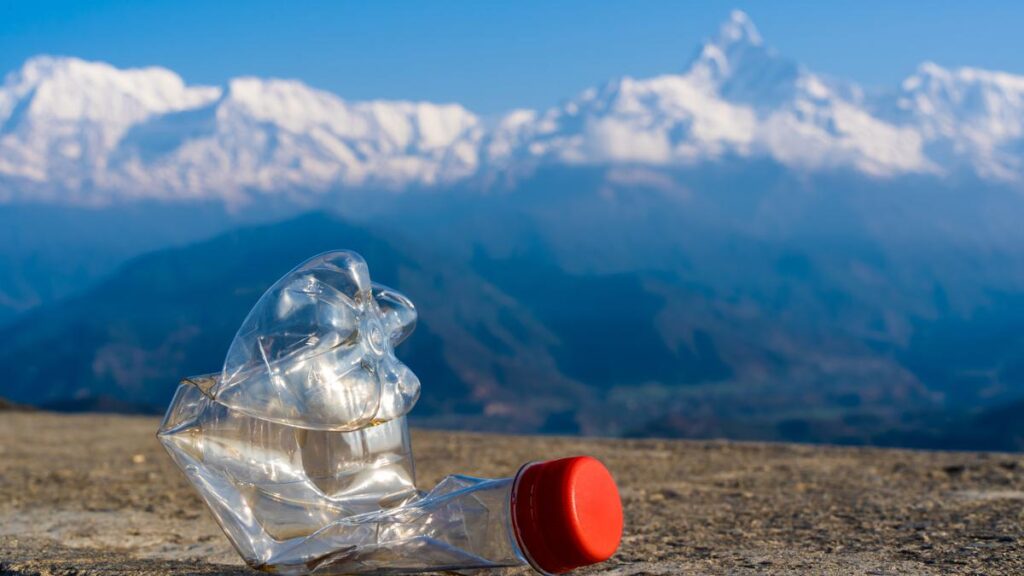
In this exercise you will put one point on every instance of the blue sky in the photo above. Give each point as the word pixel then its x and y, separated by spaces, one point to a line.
pixel 495 56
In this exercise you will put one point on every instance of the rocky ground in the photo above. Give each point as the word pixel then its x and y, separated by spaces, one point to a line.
pixel 97 495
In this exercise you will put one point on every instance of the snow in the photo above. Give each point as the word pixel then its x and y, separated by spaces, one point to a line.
pixel 78 131
pixel 970 119
pixel 737 98
pixel 75 125
pixel 740 29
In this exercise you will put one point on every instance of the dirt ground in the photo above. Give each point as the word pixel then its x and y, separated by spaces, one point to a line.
pixel 96 494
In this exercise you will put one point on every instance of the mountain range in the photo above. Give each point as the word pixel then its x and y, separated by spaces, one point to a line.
pixel 73 131
pixel 744 249
pixel 797 348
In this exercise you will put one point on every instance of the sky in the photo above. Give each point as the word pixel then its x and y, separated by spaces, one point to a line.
pixel 491 56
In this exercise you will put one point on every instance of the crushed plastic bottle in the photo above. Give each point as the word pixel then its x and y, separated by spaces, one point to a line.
pixel 301 450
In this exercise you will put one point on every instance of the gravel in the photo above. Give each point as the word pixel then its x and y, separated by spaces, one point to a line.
pixel 96 494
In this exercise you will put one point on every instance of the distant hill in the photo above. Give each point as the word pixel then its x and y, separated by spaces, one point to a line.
pixel 515 340
pixel 48 252
pixel 173 313
pixel 503 343
pixel 998 428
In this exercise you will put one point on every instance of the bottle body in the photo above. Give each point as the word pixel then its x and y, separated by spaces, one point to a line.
pixel 294 500
pixel 300 449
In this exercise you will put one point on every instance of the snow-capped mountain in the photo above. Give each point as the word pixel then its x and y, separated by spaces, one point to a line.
pixel 278 135
pixel 88 132
pixel 967 118
pixel 61 118
pixel 737 98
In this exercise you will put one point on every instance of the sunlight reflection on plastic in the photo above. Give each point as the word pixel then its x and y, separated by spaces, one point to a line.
pixel 300 449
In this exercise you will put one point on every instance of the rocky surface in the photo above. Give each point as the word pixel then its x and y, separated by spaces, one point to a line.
pixel 94 494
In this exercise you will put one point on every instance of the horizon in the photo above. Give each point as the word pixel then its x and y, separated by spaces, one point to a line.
pixel 543 73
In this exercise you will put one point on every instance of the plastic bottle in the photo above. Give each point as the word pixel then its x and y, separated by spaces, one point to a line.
pixel 301 450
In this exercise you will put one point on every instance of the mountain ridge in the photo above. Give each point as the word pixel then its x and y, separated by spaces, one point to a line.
pixel 88 133
pixel 512 340
pixel 171 313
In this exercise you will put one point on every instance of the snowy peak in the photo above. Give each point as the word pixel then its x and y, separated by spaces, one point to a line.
pixel 738 99
pixel 970 119
pixel 73 89
pixel 59 117
pixel 78 131
pixel 738 30
pixel 736 37
pixel 741 67
pixel 87 131
pixel 297 108
pixel 970 94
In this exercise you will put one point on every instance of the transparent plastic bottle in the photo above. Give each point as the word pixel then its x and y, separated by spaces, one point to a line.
pixel 301 450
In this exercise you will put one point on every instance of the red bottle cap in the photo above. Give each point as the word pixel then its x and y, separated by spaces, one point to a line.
pixel 566 513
